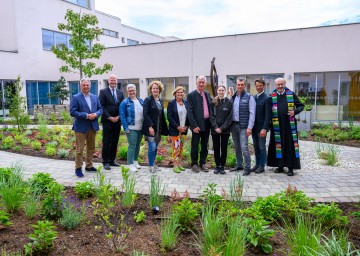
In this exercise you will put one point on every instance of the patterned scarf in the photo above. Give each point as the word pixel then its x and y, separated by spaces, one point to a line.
pixel 275 121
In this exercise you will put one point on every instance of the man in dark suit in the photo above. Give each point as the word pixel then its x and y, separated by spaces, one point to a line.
pixel 110 99
pixel 261 125
pixel 86 109
pixel 199 117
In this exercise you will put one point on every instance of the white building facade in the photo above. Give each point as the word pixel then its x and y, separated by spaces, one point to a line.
pixel 321 64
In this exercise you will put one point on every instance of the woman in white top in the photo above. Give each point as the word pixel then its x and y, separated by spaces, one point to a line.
pixel 131 114
pixel 178 125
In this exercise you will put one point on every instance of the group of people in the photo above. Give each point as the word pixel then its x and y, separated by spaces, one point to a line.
pixel 240 116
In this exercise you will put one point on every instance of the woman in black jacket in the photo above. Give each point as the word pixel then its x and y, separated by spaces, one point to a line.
pixel 221 119
pixel 178 126
pixel 154 124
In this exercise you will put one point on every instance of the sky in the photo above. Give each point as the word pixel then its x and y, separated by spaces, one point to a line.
pixel 205 18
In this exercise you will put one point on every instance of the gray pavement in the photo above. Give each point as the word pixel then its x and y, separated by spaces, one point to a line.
pixel 324 183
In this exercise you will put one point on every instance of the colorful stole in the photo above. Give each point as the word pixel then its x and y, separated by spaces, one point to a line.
pixel 275 121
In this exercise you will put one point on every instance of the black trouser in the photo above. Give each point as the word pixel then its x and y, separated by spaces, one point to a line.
pixel 111 133
pixel 203 138
pixel 220 143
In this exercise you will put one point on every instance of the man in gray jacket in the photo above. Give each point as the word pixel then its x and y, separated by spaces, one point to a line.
pixel 244 107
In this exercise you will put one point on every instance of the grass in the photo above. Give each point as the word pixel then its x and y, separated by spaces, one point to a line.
pixel 169 232
pixel 157 190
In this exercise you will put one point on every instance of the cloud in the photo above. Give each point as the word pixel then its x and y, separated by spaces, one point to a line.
pixel 200 18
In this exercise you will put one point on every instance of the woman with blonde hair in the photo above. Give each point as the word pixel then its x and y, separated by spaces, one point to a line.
pixel 154 124
pixel 178 126
pixel 221 110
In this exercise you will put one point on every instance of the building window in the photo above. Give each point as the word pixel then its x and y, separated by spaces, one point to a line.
pixel 82 3
pixel 7 90
pixel 169 85
pixel 123 40
pixel 74 87
pixel 111 33
pixel 132 42
pixel 37 93
pixel 335 96
pixel 122 83
pixel 250 82
pixel 52 38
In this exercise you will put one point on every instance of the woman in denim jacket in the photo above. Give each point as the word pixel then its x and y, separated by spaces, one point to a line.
pixel 131 115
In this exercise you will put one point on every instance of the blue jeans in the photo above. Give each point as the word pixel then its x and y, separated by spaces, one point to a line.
pixel 134 139
pixel 260 149
pixel 152 152
pixel 241 142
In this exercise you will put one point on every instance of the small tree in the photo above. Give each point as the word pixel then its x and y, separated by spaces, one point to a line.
pixel 17 107
pixel 82 30
pixel 60 91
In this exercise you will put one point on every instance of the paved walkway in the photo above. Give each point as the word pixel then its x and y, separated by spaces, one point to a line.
pixel 324 183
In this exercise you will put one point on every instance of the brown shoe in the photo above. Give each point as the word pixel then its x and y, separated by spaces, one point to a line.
pixel 203 168
pixel 195 168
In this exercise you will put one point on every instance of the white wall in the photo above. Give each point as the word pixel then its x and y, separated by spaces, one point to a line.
pixel 7 26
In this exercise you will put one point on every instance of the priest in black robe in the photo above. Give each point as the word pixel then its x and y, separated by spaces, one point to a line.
pixel 283 147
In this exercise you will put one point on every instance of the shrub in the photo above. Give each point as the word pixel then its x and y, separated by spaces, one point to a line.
pixel 52 203
pixel 186 212
pixel 12 190
pixel 42 238
pixel 122 152
pixel 259 233
pixel 41 181
pixel 329 215
pixel 8 142
pixel 63 153
pixel 36 145
pixel 25 142
pixel 5 173
pixel 231 160
pixel 49 151
pixel 84 189
pixel 71 216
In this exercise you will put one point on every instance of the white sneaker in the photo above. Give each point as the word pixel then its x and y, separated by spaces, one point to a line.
pixel 137 165
pixel 133 168
pixel 157 168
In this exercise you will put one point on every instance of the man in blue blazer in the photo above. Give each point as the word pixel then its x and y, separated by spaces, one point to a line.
pixel 86 109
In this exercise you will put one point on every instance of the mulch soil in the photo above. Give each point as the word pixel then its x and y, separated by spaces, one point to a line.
pixel 144 237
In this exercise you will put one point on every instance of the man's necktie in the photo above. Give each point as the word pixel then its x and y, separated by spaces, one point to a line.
pixel 114 96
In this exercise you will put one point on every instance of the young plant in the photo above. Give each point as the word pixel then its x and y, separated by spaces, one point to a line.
pixel 41 181
pixel 187 212
pixel 122 152
pixel 8 142
pixel 139 217
pixel 36 145
pixel 84 189
pixel 50 151
pixel 236 190
pixel 31 203
pixel 129 195
pixel 210 197
pixel 72 215
pixel 63 153
pixel 169 231
pixel 157 191
pixel 51 207
pixel 259 233
pixel 329 215
pixel 42 238
pixel 4 219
